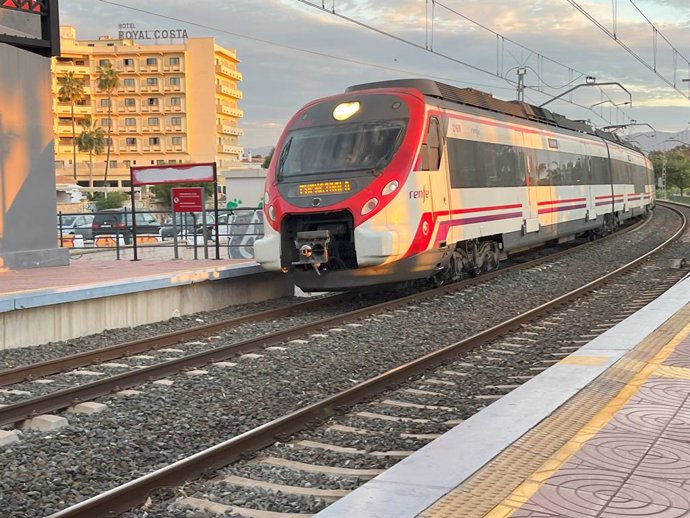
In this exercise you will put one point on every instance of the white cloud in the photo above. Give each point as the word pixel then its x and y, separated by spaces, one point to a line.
pixel 278 81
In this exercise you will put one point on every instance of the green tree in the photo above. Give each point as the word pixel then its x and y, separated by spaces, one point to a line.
pixel 114 201
pixel 267 160
pixel 677 166
pixel 108 81
pixel 162 191
pixel 71 91
pixel 91 141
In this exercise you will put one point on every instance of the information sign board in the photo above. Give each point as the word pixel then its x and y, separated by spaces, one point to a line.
pixel 187 199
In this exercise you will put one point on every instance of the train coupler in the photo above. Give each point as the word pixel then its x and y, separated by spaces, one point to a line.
pixel 313 248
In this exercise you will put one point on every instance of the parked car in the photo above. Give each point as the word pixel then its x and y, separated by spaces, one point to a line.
pixel 114 221
pixel 188 225
pixel 75 224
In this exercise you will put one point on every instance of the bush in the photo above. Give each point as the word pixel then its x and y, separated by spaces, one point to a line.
pixel 162 191
pixel 115 200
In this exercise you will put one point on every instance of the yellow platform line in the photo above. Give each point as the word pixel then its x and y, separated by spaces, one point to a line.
pixel 529 487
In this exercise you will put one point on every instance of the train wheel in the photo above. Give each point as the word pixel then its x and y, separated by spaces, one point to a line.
pixel 492 260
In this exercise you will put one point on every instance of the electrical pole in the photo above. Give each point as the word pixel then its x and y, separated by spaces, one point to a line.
pixel 663 173
pixel 521 72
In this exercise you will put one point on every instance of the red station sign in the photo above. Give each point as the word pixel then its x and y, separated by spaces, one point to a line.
pixel 187 199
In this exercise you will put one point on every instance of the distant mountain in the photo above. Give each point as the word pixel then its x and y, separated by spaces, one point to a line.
pixel 659 141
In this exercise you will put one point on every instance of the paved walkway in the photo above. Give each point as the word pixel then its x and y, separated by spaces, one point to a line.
pixel 90 272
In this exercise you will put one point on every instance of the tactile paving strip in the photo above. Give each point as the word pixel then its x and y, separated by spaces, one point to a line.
pixel 533 458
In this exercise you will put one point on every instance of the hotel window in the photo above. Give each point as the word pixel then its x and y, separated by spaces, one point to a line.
pixel 176 121
pixel 105 122
pixel 154 141
pixel 127 163
pixel 151 81
pixel 103 62
pixel 128 82
pixel 105 103
pixel 175 101
pixel 152 101
pixel 108 141
pixel 130 101
pixel 160 162
pixel 128 62
pixel 177 141
pixel 130 121
pixel 131 141
pixel 174 81
pixel 174 61
pixel 153 121
pixel 113 163
pixel 151 61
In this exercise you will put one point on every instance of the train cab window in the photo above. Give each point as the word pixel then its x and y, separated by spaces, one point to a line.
pixel 431 149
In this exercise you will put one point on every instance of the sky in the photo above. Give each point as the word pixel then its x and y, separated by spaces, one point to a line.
pixel 295 51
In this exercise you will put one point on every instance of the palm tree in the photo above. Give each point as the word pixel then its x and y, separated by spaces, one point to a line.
pixel 91 140
pixel 71 91
pixel 108 80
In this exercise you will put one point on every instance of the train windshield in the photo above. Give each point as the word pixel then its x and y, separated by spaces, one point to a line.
pixel 365 146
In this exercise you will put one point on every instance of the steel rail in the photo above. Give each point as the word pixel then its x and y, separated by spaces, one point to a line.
pixel 75 361
pixel 128 495
pixel 14 413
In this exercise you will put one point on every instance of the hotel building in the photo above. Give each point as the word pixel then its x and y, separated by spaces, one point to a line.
pixel 176 103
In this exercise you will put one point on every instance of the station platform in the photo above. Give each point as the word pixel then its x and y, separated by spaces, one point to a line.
pixel 42 305
pixel 603 433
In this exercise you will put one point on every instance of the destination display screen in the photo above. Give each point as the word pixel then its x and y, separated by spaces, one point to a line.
pixel 322 188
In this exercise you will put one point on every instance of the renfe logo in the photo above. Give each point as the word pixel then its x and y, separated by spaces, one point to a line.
pixel 421 194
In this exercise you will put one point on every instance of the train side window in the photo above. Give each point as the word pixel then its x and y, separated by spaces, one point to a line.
pixel 431 149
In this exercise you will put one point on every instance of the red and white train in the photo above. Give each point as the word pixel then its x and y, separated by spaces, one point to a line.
pixel 411 179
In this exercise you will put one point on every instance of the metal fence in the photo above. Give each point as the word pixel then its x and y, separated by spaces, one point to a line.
pixel 187 234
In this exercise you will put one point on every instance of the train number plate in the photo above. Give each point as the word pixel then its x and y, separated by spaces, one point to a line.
pixel 321 188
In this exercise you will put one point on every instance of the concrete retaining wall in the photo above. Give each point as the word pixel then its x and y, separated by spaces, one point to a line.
pixel 75 318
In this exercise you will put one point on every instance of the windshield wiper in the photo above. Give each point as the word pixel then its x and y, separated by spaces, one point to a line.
pixel 283 157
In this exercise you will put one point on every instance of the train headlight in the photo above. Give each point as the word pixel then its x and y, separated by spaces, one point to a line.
pixel 390 187
pixel 267 198
pixel 272 212
pixel 369 206
pixel 345 110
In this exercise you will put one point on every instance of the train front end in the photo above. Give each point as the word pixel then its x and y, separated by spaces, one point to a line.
pixel 335 198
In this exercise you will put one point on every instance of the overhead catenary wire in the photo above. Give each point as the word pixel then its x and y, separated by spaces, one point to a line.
pixel 615 37
pixel 332 11
pixel 440 54
pixel 295 49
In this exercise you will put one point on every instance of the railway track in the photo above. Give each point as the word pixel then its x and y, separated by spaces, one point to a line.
pixel 97 361
pixel 464 297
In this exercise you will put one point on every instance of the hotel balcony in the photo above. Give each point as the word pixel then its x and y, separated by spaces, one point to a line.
pixel 227 110
pixel 63 68
pixel 66 129
pixel 233 150
pixel 231 92
pixel 229 130
pixel 227 71
pixel 66 109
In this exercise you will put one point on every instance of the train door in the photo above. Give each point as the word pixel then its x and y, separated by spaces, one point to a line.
pixel 530 198
pixel 589 179
pixel 432 160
